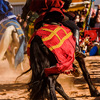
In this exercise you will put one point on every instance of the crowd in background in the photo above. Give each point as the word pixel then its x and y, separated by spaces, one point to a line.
pixel 78 17
pixel 94 19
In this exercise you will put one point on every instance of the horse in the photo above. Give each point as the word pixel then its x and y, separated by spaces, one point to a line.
pixel 42 87
pixel 41 57
pixel 12 43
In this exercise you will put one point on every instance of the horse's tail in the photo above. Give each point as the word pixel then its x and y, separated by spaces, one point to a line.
pixel 38 84
pixel 5 41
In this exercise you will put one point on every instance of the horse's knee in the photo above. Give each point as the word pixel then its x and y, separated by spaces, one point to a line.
pixel 58 87
pixel 51 81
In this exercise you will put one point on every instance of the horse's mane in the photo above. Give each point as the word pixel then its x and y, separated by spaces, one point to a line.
pixel 39 58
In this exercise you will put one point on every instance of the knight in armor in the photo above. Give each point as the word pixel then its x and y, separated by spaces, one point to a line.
pixel 5 11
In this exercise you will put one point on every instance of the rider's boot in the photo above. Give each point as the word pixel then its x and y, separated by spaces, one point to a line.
pixel 78 52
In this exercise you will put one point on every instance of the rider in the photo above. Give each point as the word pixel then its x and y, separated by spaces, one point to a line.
pixel 42 6
pixel 5 11
pixel 7 18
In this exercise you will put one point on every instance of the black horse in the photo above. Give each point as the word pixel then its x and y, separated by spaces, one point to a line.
pixel 41 57
pixel 42 87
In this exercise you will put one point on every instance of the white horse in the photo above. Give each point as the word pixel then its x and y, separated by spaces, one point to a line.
pixel 9 46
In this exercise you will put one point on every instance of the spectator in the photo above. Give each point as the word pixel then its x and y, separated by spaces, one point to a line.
pixel 24 25
pixel 97 24
pixel 94 21
pixel 86 8
pixel 77 19
pixel 98 9
pixel 19 19
pixel 80 23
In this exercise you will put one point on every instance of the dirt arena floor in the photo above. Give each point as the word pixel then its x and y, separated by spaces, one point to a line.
pixel 75 87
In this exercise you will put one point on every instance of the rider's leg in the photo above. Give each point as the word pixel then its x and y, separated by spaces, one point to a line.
pixel 75 29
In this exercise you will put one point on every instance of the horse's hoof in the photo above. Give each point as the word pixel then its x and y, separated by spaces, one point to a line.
pixel 95 94
pixel 4 58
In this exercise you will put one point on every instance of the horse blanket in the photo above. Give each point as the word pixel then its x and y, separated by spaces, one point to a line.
pixel 20 54
pixel 61 43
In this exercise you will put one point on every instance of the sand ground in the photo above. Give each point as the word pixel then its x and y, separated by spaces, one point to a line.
pixel 75 87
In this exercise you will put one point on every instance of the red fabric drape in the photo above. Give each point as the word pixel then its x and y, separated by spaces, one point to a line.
pixel 61 43
pixel 42 5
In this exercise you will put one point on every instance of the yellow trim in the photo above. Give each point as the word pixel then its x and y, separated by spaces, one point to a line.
pixel 31 26
pixel 30 29
pixel 3 27
pixel 34 20
pixel 29 35
pixel 21 35
pixel 54 32
pixel 10 22
pixel 28 45
pixel 18 28
pixel 61 42
pixel 15 23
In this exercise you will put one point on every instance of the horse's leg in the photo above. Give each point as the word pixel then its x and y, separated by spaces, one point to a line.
pixel 15 46
pixel 51 83
pixel 13 38
pixel 93 90
pixel 5 41
pixel 60 90
pixel 10 59
pixel 21 64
